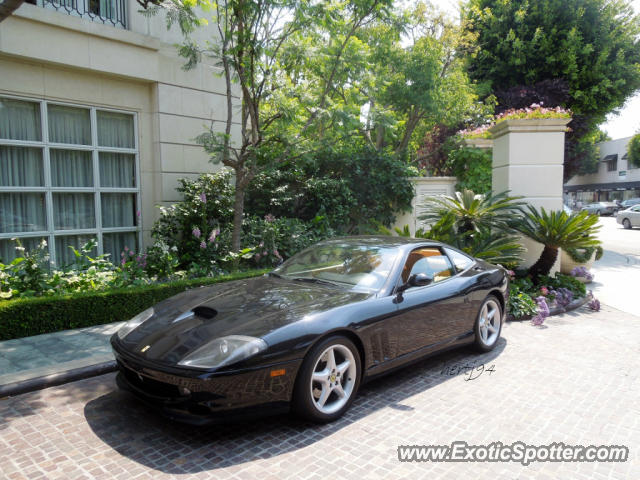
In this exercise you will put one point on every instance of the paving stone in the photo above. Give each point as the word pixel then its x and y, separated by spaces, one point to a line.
pixel 575 380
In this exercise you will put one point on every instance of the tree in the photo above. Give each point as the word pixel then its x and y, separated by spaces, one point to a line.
pixel 287 59
pixel 633 150
pixel 591 46
pixel 415 77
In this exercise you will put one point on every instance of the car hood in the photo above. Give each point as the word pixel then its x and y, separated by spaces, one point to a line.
pixel 253 307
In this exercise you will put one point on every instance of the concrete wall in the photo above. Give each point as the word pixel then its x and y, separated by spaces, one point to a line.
pixel 50 55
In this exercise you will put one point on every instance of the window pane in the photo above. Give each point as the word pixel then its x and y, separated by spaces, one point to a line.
pixel 21 167
pixel 8 247
pixel 20 120
pixel 64 255
pixel 115 130
pixel 117 170
pixel 461 261
pixel 22 212
pixel 118 210
pixel 71 168
pixel 69 125
pixel 73 211
pixel 114 243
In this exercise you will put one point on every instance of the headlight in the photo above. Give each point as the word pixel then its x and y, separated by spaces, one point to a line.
pixel 224 351
pixel 135 322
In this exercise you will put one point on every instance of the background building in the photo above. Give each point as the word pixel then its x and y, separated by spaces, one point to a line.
pixel 97 124
pixel 615 179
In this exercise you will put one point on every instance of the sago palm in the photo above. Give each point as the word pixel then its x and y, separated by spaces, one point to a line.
pixel 473 213
pixel 555 230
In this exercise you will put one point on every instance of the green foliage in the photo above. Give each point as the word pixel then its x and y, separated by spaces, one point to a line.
pixel 558 229
pixel 473 212
pixel 24 317
pixel 633 150
pixel 520 303
pixel 473 169
pixel 583 255
pixel 353 189
pixel 563 281
pixel 592 44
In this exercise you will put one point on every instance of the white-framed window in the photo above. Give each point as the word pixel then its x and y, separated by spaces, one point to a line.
pixel 109 12
pixel 68 173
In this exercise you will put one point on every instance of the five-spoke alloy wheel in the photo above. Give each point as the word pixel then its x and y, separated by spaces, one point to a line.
pixel 328 380
pixel 488 324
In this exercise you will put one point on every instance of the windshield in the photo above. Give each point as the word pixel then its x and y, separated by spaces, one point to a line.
pixel 355 266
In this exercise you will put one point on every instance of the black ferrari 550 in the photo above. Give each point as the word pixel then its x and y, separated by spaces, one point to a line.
pixel 305 336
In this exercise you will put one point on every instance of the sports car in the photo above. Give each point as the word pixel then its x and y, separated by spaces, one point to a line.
pixel 305 336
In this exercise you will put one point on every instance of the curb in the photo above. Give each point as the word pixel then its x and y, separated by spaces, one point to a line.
pixel 60 378
pixel 555 310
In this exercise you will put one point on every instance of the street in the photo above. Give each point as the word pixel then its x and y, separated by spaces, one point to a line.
pixel 617 274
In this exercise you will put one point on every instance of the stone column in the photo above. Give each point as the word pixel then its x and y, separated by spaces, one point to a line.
pixel 528 158
pixel 424 187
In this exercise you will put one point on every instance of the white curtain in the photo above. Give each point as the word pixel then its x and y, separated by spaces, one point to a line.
pixel 115 130
pixel 21 167
pixel 64 255
pixel 22 212
pixel 8 247
pixel 71 168
pixel 19 120
pixel 114 243
pixel 118 210
pixel 69 125
pixel 73 211
pixel 117 170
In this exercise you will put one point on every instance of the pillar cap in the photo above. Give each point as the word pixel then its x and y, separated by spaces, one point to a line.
pixel 532 125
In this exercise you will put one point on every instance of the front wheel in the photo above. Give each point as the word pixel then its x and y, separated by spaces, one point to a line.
pixel 626 223
pixel 488 324
pixel 328 380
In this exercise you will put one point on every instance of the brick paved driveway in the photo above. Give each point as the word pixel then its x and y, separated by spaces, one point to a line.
pixel 576 381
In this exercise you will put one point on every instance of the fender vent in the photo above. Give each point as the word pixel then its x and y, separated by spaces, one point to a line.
pixel 205 312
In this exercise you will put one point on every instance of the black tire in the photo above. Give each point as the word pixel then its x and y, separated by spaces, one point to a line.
pixel 626 223
pixel 479 344
pixel 304 403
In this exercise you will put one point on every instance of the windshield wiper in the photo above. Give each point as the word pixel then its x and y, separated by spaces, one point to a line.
pixel 313 280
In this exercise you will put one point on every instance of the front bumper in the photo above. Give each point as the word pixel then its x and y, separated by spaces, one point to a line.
pixel 208 398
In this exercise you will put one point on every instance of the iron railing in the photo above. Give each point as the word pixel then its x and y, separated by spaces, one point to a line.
pixel 108 12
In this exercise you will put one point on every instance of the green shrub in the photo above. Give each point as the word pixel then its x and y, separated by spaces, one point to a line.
pixel 564 281
pixel 520 303
pixel 24 317
pixel 473 169
pixel 633 151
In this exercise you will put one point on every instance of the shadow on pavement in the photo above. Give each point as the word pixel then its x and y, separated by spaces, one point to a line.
pixel 128 427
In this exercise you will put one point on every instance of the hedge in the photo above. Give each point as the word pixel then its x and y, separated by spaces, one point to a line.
pixel 24 317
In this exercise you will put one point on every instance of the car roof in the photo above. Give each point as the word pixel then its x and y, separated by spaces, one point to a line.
pixel 382 241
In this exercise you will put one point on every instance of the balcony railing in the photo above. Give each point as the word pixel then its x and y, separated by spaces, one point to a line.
pixel 108 12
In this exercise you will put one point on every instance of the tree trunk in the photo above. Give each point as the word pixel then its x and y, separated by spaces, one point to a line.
pixel 544 264
pixel 238 211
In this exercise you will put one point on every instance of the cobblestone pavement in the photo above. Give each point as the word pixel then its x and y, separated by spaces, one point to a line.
pixel 576 380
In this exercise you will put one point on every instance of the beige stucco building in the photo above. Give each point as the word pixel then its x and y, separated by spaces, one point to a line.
pixel 97 123
pixel 615 179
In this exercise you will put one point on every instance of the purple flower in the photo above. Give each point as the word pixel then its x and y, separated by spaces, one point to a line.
pixel 257 256
pixel 203 197
pixel 582 272
pixel 196 232
pixel 214 234
pixel 138 213
pixel 564 296
pixel 203 245
pixel 269 218
pixel 594 305
pixel 543 311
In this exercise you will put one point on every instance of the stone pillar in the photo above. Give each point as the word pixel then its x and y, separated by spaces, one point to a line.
pixel 424 187
pixel 528 158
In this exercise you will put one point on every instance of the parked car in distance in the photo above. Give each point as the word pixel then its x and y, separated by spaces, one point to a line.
pixel 629 217
pixel 601 208
pixel 306 335
pixel 629 202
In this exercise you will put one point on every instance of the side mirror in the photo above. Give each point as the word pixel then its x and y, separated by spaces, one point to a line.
pixel 415 280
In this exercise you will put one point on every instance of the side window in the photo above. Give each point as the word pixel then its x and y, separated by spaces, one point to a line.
pixel 429 260
pixel 460 260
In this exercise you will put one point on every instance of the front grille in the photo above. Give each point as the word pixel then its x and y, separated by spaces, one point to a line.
pixel 149 385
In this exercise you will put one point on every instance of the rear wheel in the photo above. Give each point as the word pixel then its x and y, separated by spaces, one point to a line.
pixel 328 380
pixel 488 324
pixel 626 223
